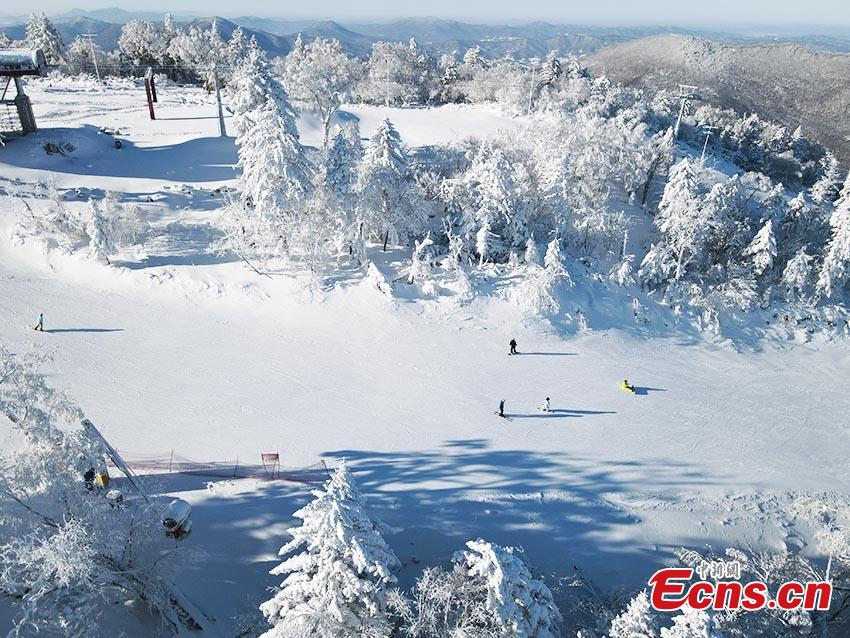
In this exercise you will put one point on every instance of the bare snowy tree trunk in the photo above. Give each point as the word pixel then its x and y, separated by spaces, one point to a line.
pixel 326 128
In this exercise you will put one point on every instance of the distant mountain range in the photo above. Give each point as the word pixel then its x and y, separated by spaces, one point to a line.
pixel 795 79
pixel 520 41
pixel 111 14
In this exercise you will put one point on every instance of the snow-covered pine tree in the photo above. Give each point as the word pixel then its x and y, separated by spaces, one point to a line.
pixel 337 171
pixel 297 47
pixel 449 90
pixel 797 276
pixel 238 47
pixel 763 249
pixel 658 154
pixel 141 43
pixel 678 214
pixel 318 77
pixel 491 202
pixel 454 262
pixel 252 85
pixel 623 271
pixel 638 620
pixel 127 223
pixel 532 255
pixel 534 295
pixel 391 76
pixel 546 86
pixel 844 194
pixel 101 243
pixel 473 59
pixel 419 266
pixel 79 57
pixel 276 175
pixel 329 225
pixel 275 171
pixel 551 72
pixel 336 584
pixel 351 130
pixel 200 51
pixel 391 203
pixel 517 604
pixel 553 261
pixel 322 231
pixel 41 34
pixel 483 242
pixel 658 266
pixel 166 35
pixel 335 183
pixel 801 225
pixel 826 189
pixel 502 82
pixel 835 269
pixel 213 53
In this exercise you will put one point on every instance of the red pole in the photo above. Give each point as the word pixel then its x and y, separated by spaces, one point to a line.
pixel 149 91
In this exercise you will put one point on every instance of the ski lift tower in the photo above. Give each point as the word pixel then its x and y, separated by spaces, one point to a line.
pixel 687 93
pixel 14 65
pixel 708 130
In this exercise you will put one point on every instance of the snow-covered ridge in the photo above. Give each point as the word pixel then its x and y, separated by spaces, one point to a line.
pixel 789 84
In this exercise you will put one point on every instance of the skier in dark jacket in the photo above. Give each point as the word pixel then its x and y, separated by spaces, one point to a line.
pixel 502 407
pixel 513 346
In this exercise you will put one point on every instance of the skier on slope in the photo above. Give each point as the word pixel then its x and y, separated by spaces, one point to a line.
pixel 546 407
pixel 625 385
pixel 513 346
pixel 502 408
pixel 40 325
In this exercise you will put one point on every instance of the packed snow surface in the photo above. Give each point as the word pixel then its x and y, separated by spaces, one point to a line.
pixel 181 350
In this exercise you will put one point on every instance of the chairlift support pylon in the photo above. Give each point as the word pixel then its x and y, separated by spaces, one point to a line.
pixel 687 92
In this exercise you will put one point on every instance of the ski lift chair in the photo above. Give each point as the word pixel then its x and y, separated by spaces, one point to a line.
pixel 177 519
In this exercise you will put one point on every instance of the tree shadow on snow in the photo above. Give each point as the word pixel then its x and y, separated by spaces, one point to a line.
pixel 559 506
pixel 180 244
pixel 201 159
pixel 238 526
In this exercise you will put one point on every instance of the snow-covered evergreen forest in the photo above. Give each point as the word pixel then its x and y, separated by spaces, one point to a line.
pixel 589 216
pixel 608 174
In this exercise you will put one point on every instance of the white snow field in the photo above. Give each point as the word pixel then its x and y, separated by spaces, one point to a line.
pixel 177 349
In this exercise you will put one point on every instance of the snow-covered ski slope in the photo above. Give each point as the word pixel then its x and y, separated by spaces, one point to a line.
pixel 180 350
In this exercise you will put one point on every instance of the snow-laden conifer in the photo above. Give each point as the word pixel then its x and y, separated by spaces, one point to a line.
pixel 338 569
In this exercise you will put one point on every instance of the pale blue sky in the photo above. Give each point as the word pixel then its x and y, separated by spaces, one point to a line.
pixel 684 12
